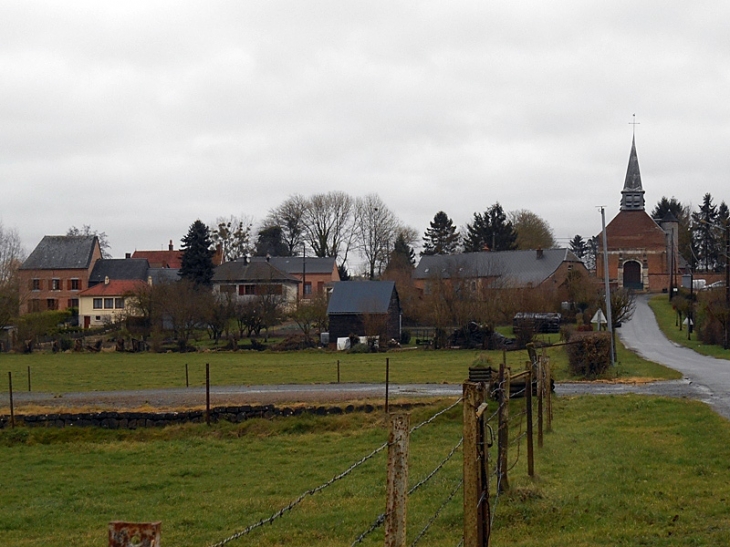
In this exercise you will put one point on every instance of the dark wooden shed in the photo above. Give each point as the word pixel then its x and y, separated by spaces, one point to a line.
pixel 364 308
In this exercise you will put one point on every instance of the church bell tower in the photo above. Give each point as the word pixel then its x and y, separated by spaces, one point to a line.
pixel 632 196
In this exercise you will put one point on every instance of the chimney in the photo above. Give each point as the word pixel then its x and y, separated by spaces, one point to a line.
pixel 149 280
pixel 170 247
pixel 106 280
pixel 127 255
pixel 539 253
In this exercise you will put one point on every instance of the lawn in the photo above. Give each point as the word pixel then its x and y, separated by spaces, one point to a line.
pixel 667 319
pixel 615 471
pixel 70 372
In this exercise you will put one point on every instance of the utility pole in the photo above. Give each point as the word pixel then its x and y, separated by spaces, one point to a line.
pixel 608 286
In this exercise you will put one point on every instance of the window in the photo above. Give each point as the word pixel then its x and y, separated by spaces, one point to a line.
pixel 75 284
pixel 35 284
pixel 245 290
pixel 227 289
pixel 97 303
pixel 119 303
pixel 307 288
pixel 73 303
pixel 108 303
pixel 55 284
pixel 51 304
pixel 34 305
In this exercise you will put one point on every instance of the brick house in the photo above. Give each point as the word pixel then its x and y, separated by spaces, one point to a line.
pixel 642 252
pixel 317 275
pixel 56 272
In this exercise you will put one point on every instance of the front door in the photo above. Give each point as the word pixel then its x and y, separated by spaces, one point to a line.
pixel 632 275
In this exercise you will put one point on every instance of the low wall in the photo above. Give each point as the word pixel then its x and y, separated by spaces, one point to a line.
pixel 134 420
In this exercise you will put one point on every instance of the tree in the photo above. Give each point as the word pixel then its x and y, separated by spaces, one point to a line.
pixel 375 232
pixel 402 257
pixel 270 241
pixel 86 231
pixel 623 304
pixel 311 315
pixel 329 222
pixel 441 238
pixel 532 231
pixel 585 250
pixel 578 246
pixel 11 257
pixel 490 230
pixel 197 258
pixel 290 217
pixel 704 234
pixel 233 234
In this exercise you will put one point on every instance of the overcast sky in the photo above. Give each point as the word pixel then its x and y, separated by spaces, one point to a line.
pixel 137 118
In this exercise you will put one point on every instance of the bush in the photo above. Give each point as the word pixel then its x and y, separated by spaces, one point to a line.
pixel 360 348
pixel 589 354
pixel 405 337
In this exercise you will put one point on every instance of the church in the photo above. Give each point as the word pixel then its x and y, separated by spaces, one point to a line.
pixel 642 252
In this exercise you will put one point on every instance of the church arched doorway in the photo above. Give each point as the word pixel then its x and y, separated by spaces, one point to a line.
pixel 632 275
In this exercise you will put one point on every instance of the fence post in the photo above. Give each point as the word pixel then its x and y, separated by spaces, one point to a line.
pixel 207 393
pixel 476 475
pixel 503 432
pixel 338 371
pixel 528 412
pixel 397 485
pixel 540 390
pixel 387 383
pixel 549 394
pixel 12 409
pixel 29 379
pixel 187 376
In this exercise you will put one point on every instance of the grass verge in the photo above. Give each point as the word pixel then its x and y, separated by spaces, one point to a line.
pixel 622 470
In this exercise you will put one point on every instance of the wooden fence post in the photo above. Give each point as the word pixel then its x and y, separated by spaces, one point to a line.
pixel 528 412
pixel 476 473
pixel 28 378
pixel 338 371
pixel 549 394
pixel 187 376
pixel 12 408
pixel 540 391
pixel 207 393
pixel 387 383
pixel 397 485
pixel 503 432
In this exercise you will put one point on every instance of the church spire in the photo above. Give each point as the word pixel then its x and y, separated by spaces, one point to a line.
pixel 632 196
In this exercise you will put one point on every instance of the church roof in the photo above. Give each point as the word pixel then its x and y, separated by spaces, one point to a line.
pixel 632 196
pixel 633 230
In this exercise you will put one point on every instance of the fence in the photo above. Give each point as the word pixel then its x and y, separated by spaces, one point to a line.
pixel 501 404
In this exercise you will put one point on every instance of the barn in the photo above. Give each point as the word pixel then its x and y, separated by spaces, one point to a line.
pixel 364 308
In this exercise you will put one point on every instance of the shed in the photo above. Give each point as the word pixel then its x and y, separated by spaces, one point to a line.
pixel 364 308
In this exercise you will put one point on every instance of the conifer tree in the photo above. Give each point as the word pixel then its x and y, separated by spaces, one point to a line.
pixel 441 238
pixel 490 230
pixel 197 258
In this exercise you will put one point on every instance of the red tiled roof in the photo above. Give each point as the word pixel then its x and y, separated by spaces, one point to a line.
pixel 115 287
pixel 161 259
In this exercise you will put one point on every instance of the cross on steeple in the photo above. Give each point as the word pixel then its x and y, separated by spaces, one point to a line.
pixel 634 123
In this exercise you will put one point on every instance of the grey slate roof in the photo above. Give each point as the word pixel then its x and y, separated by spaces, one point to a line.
pixel 254 272
pixel 119 268
pixel 350 297
pixel 514 268
pixel 61 253
pixel 163 275
pixel 293 264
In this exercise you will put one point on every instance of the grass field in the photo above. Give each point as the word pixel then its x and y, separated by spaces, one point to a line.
pixel 667 319
pixel 615 471
pixel 69 372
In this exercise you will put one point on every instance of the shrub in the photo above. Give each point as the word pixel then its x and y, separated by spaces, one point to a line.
pixel 589 354
pixel 405 337
pixel 360 348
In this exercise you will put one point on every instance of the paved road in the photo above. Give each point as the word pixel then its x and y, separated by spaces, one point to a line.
pixel 706 378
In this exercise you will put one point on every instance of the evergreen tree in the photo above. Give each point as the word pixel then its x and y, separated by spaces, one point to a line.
pixel 490 231
pixel 684 220
pixel 704 234
pixel 441 238
pixel 578 246
pixel 270 241
pixel 197 258
pixel 402 257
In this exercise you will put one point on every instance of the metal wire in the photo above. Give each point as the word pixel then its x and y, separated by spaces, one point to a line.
pixel 311 492
pixel 374 526
pixel 437 513
pixel 438 467
pixel 432 418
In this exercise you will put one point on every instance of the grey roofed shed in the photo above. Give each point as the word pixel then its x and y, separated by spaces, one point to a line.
pixel 360 297
pixel 119 268
pixel 61 253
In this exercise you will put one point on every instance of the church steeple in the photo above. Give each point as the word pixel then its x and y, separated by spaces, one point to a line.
pixel 632 196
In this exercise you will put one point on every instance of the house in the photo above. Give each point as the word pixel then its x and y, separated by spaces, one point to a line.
pixel 245 280
pixel 642 253
pixel 56 272
pixel 317 275
pixel 107 302
pixel 364 308
pixel 503 269
pixel 161 259
pixel 119 269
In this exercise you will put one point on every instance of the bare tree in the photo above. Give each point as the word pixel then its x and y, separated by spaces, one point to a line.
pixel 289 216
pixel 11 257
pixel 375 231
pixel 329 221
pixel 233 234
pixel 87 231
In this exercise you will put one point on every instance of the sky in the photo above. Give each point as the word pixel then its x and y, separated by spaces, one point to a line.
pixel 137 118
